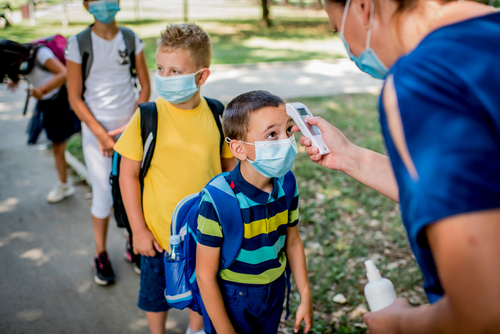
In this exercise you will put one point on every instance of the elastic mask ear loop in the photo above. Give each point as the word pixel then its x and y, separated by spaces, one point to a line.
pixel 344 16
pixel 369 35
pixel 228 140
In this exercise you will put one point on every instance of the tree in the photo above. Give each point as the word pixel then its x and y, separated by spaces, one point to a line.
pixel 265 13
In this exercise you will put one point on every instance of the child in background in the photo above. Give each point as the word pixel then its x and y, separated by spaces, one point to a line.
pixel 102 94
pixel 187 155
pixel 248 296
pixel 47 75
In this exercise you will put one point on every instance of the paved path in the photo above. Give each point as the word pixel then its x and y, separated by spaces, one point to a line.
pixel 290 80
pixel 46 283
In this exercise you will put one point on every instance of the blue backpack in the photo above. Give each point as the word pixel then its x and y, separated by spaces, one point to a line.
pixel 181 287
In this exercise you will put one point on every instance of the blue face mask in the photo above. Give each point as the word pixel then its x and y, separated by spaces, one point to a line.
pixel 176 88
pixel 274 158
pixel 367 61
pixel 104 11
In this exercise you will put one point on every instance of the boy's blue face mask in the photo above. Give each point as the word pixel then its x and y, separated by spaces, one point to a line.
pixel 367 61
pixel 104 11
pixel 177 88
pixel 273 158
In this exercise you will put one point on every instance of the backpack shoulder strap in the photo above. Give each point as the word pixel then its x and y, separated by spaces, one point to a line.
pixel 149 129
pixel 228 210
pixel 129 38
pixel 85 46
pixel 217 109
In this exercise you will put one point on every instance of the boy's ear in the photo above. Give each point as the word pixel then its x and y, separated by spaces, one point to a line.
pixel 86 4
pixel 203 76
pixel 237 150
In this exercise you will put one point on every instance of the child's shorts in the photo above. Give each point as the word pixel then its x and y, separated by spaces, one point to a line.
pixel 152 290
pixel 253 309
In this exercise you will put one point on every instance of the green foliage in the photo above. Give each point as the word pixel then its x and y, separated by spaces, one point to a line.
pixel 74 146
pixel 234 41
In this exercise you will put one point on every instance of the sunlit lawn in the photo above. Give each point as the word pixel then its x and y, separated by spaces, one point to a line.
pixel 343 223
pixel 234 42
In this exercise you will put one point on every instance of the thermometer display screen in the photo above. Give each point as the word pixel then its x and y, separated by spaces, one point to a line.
pixel 303 112
pixel 313 128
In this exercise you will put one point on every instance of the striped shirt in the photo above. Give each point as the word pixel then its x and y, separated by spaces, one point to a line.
pixel 266 217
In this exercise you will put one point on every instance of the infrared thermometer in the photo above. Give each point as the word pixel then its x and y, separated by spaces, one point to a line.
pixel 298 112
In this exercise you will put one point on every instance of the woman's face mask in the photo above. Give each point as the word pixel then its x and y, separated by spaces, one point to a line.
pixel 367 61
pixel 177 88
pixel 104 11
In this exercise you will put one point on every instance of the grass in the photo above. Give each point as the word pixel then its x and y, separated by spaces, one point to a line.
pixel 234 41
pixel 343 223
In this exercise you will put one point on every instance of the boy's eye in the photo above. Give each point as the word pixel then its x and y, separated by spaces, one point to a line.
pixel 175 72
pixel 160 69
pixel 272 135
pixel 289 130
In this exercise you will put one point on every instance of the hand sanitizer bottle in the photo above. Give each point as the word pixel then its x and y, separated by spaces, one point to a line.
pixel 379 292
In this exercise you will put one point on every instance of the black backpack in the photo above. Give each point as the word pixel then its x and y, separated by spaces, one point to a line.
pixel 85 45
pixel 149 128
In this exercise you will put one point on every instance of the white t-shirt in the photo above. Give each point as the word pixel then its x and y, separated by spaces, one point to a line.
pixel 109 90
pixel 38 77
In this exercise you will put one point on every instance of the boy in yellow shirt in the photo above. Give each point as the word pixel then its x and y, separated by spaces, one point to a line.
pixel 187 155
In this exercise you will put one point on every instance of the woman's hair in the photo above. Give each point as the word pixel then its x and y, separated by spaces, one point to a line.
pixel 403 7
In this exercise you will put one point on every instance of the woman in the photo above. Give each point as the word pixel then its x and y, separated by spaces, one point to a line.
pixel 440 118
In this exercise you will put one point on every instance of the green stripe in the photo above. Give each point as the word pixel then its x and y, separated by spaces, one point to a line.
pixel 265 278
pixel 209 227
pixel 262 254
pixel 293 215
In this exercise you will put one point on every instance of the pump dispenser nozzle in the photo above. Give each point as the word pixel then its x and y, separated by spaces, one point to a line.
pixel 379 292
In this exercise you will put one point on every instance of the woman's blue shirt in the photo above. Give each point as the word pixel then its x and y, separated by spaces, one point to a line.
pixel 448 94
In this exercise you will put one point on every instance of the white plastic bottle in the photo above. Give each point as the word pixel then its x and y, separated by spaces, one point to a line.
pixel 379 292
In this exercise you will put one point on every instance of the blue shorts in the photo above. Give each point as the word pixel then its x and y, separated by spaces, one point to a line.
pixel 253 309
pixel 152 291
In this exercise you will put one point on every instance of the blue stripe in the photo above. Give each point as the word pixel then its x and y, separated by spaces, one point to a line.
pixel 262 254
pixel 254 269
pixel 172 302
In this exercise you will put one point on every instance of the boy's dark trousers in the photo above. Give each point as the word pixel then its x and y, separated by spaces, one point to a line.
pixel 253 309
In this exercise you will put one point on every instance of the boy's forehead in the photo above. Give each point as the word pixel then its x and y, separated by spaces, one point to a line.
pixel 270 116
pixel 178 56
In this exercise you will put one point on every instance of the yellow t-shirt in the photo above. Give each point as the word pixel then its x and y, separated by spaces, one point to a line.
pixel 187 155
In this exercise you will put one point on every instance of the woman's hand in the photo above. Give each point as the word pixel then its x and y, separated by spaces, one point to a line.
pixel 106 144
pixel 118 131
pixel 334 139
pixel 386 321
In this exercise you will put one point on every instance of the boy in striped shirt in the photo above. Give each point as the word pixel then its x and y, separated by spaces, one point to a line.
pixel 248 297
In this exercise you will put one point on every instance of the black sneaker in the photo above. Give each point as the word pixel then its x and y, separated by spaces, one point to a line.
pixel 103 273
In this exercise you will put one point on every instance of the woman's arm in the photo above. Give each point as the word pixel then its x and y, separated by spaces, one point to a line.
pixel 55 66
pixel 207 266
pixel 296 258
pixel 368 167
pixel 467 254
pixel 143 240
pixel 75 88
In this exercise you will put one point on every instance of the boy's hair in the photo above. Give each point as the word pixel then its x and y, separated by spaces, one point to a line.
pixel 237 114
pixel 190 37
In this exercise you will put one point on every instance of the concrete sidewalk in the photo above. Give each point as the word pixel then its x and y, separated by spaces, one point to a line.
pixel 46 283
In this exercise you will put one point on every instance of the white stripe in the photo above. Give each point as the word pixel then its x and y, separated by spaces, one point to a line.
pixel 146 147
pixel 176 297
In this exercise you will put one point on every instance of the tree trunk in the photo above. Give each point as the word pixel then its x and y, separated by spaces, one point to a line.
pixel 265 13
pixel 285 2
pixel 319 5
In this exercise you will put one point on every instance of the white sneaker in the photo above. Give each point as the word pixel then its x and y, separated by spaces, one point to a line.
pixel 60 192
